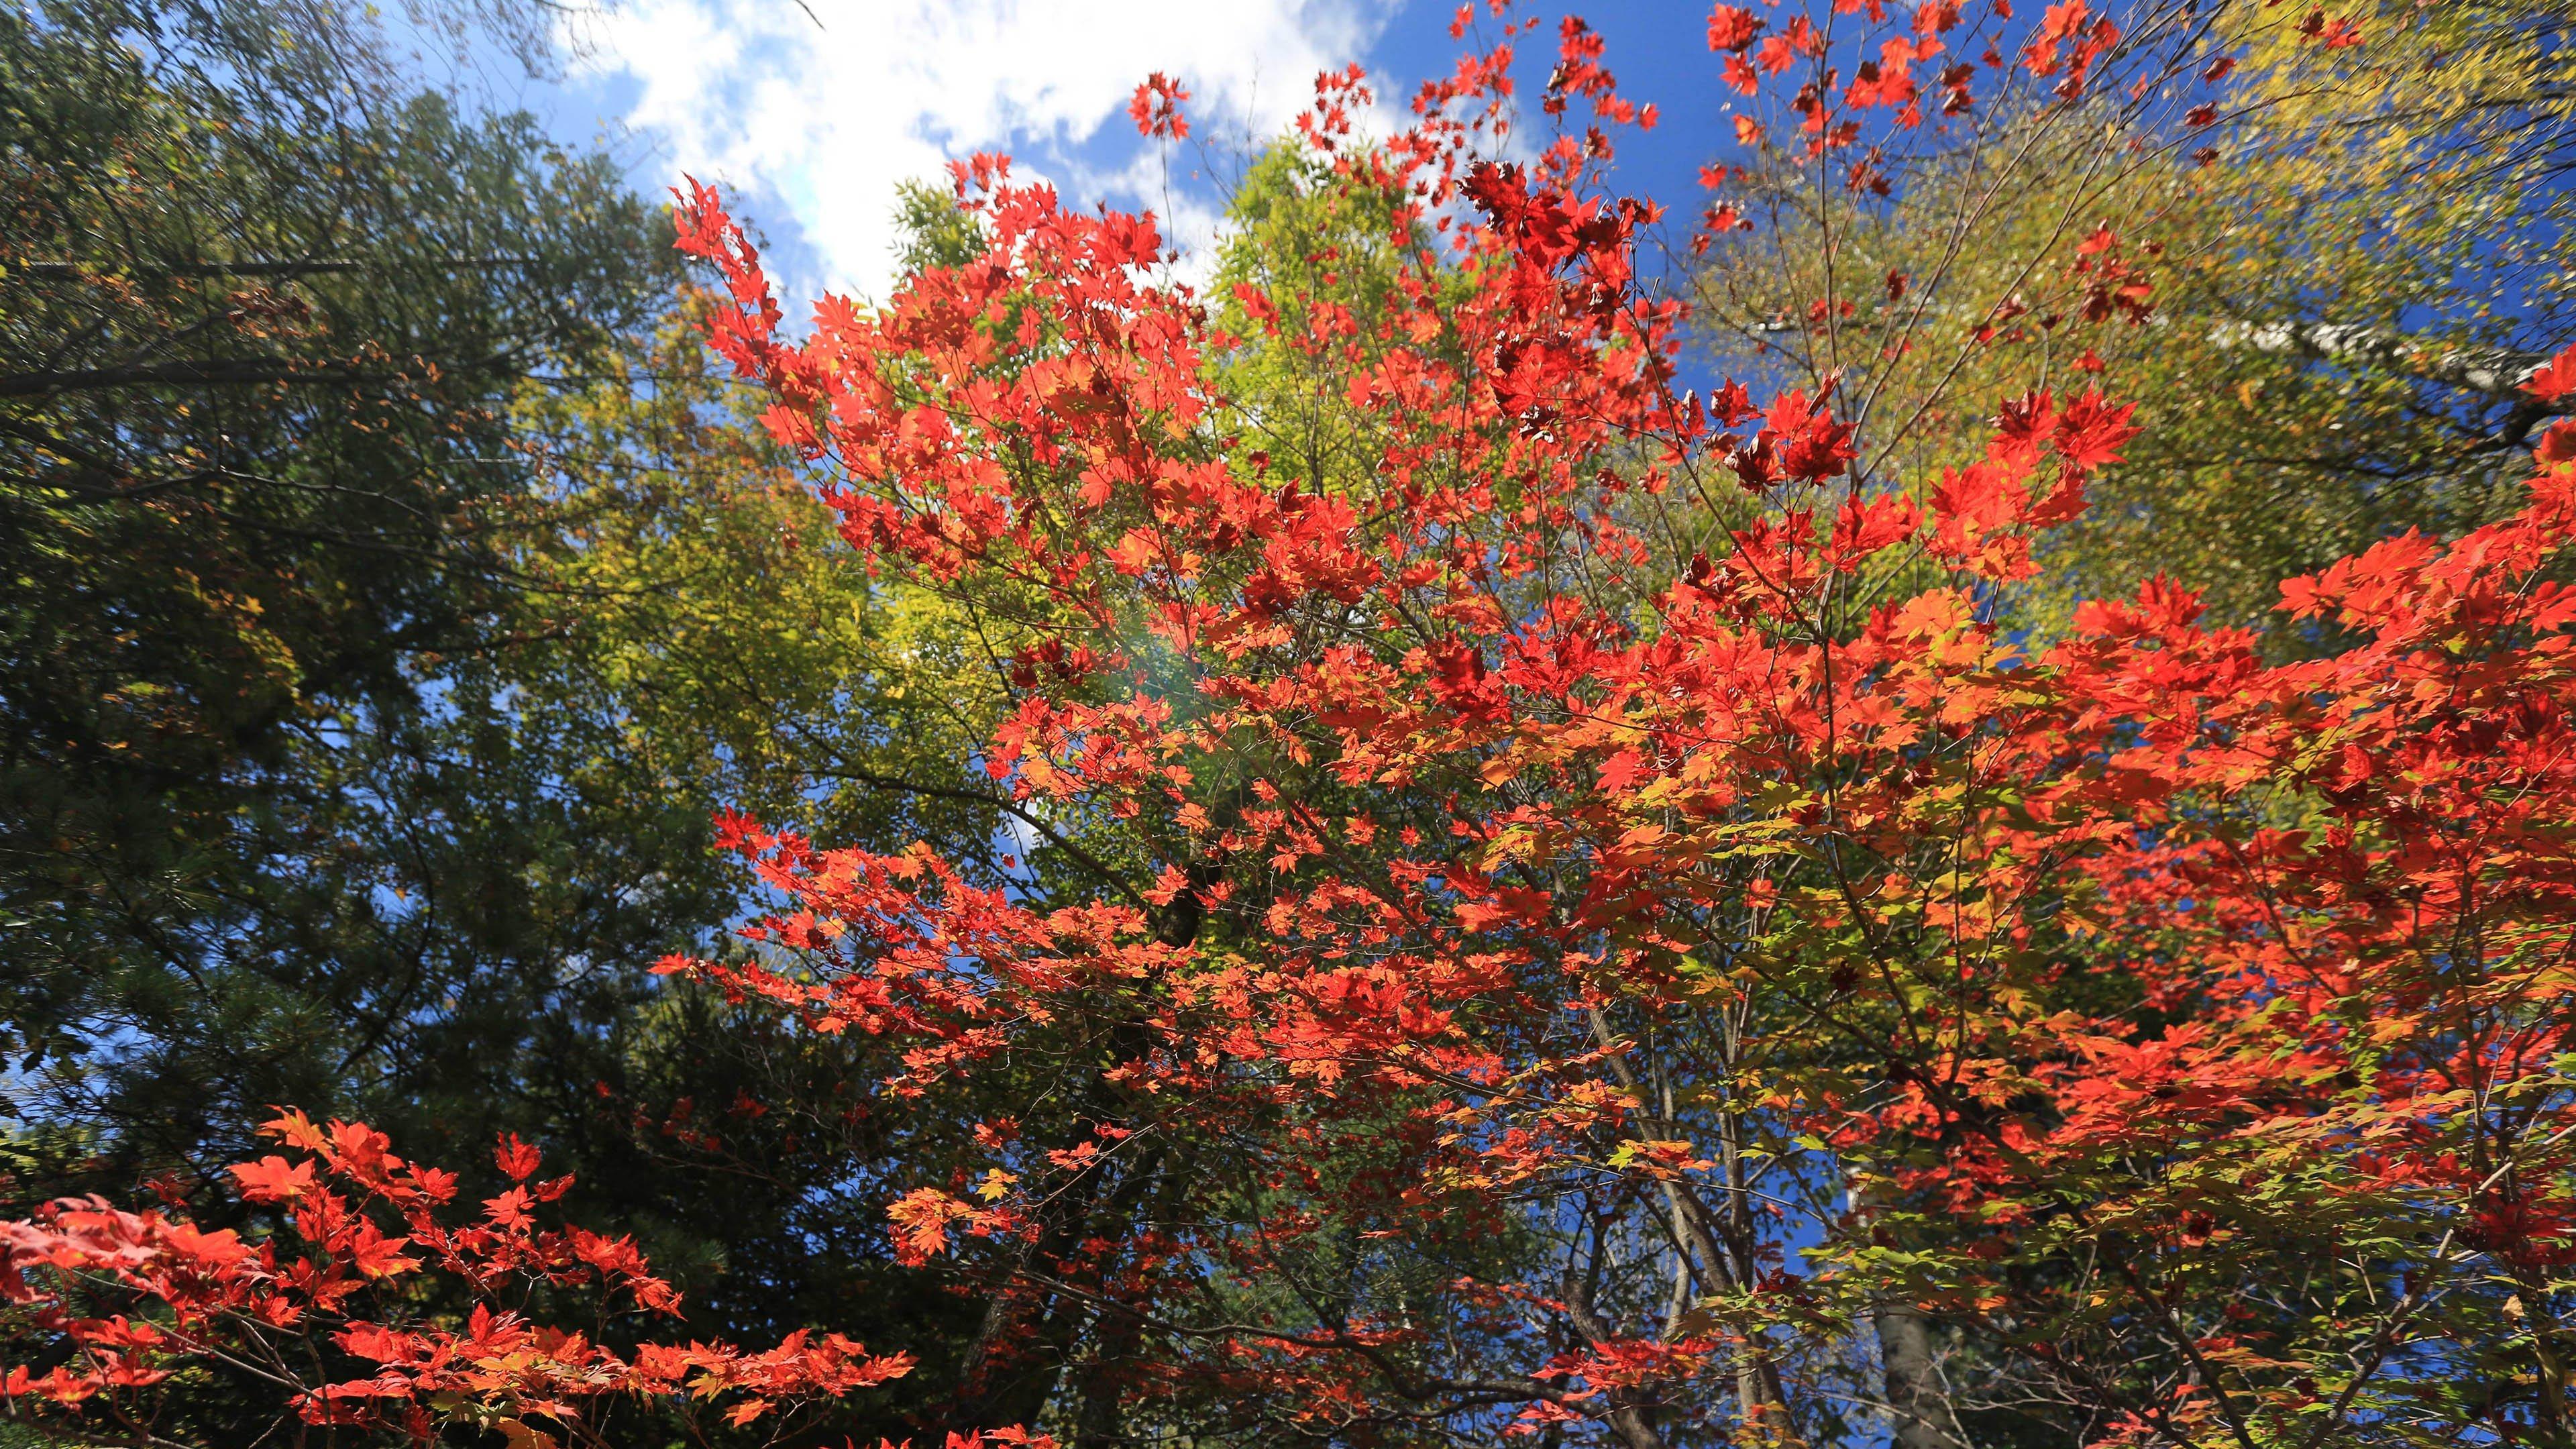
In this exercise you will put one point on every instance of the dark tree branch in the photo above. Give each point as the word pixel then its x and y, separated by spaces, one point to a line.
pixel 221 372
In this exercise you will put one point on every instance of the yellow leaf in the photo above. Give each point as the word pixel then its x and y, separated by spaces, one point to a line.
pixel 521 1436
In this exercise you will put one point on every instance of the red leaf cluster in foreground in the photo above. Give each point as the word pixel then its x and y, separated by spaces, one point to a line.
pixel 215 1295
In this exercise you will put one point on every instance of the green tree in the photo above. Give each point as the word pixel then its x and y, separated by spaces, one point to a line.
pixel 394 595
pixel 261 839
pixel 2321 272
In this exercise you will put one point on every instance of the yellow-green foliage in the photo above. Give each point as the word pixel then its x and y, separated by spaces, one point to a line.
pixel 2344 269
pixel 697 592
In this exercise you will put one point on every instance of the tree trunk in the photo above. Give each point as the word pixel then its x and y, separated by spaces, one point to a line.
pixel 1631 1416
pixel 1918 1403
pixel 2498 371
pixel 1116 1332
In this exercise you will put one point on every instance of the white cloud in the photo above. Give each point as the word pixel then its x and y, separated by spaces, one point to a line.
pixel 827 113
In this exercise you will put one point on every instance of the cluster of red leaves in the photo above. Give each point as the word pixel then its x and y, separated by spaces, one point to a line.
pixel 356 1219
pixel 1156 108
pixel 1874 83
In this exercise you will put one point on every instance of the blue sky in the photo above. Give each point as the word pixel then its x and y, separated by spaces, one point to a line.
pixel 811 119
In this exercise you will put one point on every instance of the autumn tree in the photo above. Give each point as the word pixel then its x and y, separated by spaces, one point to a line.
pixel 1593 919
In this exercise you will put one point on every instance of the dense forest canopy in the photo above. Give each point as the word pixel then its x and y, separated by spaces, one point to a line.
pixel 1919 798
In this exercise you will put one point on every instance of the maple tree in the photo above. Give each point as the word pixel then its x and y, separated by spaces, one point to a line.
pixel 1600 926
